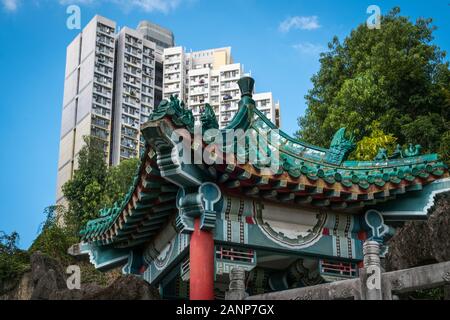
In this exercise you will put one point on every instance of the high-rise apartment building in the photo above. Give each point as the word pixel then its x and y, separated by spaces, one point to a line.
pixel 114 79
pixel 110 88
pixel 134 92
pixel 88 93
pixel 209 76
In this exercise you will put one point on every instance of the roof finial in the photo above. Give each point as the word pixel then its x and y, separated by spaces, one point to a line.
pixel 246 85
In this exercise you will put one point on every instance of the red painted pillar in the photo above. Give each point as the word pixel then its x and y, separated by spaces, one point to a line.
pixel 201 262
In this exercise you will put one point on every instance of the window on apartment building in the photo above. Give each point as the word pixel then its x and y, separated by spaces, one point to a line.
pixel 159 72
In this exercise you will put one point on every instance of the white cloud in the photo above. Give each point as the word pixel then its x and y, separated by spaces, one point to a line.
pixel 151 5
pixel 10 5
pixel 309 48
pixel 69 2
pixel 302 23
pixel 164 6
pixel 128 5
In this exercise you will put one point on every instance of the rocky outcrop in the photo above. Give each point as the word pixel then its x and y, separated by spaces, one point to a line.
pixel 422 242
pixel 47 281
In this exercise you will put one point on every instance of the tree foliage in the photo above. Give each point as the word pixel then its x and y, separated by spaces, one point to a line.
pixel 394 76
pixel 94 185
pixel 119 179
pixel 54 239
pixel 367 148
pixel 13 261
pixel 85 191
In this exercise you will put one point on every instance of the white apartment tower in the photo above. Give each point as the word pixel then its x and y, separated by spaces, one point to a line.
pixel 134 93
pixel 112 83
pixel 209 76
pixel 88 94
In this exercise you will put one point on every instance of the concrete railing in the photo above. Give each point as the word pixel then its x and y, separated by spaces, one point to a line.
pixel 371 284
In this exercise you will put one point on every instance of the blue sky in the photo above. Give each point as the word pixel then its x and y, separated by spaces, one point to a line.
pixel 278 41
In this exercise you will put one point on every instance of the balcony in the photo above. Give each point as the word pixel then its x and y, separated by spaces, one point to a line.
pixel 132 133
pixel 227 97
pixel 103 81
pixel 171 70
pixel 107 41
pixel 127 143
pixel 127 154
pixel 101 111
pixel 148 62
pixel 196 92
pixel 99 122
pixel 104 60
pixel 103 70
pixel 101 49
pixel 105 29
pixel 99 133
pixel 135 52
pixel 98 89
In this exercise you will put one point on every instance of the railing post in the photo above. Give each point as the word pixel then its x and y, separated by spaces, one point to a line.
pixel 237 285
pixel 371 281
pixel 447 292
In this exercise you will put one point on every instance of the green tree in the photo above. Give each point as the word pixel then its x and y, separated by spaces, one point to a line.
pixel 54 239
pixel 367 148
pixel 94 185
pixel 13 261
pixel 394 75
pixel 119 179
pixel 85 192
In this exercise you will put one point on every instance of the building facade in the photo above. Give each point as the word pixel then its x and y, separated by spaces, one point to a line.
pixel 115 78
pixel 134 92
pixel 110 88
pixel 88 94
pixel 209 76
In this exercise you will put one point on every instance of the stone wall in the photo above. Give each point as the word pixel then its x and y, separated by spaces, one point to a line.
pixel 422 242
pixel 47 281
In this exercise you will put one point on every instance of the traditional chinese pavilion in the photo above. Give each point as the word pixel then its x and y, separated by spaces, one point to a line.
pixel 184 224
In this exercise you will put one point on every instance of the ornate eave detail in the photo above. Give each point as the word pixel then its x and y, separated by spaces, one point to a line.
pixel 307 175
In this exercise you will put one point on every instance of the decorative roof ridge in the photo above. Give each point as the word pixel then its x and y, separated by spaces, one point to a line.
pixel 335 156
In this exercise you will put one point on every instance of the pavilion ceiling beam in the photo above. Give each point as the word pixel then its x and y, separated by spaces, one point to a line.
pixel 145 196
pixel 250 191
pixel 230 168
pixel 400 190
pixel 151 184
pixel 164 207
pixel 366 196
pixel 268 194
pixel 382 194
pixel 349 196
pixel 314 190
pixel 167 197
pixel 285 197
pixel 303 199
pixel 414 187
pixel 224 177
pixel 244 175
pixel 280 184
pixel 339 205
pixel 332 193
pixel 297 187
pixel 321 202
pixel 356 204
pixel 233 184
pixel 169 188
pixel 212 171
pixel 262 181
